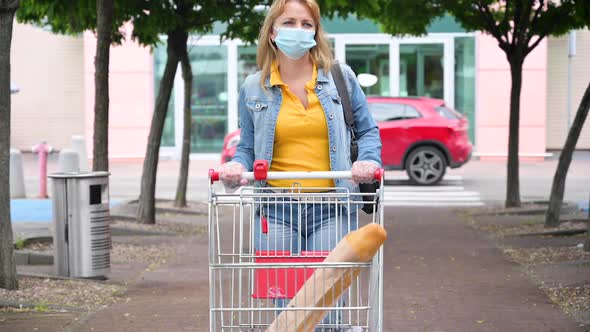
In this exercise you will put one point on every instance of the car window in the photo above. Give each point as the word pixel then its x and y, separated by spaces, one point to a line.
pixel 448 113
pixel 392 111
pixel 412 113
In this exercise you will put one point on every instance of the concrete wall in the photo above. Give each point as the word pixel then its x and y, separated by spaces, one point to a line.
pixel 493 100
pixel 557 62
pixel 48 70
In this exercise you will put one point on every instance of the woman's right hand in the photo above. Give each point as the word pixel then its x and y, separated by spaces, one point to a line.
pixel 230 175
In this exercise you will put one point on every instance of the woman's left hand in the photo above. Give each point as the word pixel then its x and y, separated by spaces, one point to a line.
pixel 363 171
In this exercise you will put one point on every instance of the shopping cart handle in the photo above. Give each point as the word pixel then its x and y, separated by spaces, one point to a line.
pixel 260 170
pixel 260 173
pixel 379 173
pixel 213 175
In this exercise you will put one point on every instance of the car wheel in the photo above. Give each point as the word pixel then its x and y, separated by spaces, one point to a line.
pixel 426 166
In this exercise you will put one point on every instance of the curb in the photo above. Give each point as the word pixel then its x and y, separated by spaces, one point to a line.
pixel 567 208
pixel 29 305
pixel 172 209
pixel 51 276
pixel 23 257
pixel 563 232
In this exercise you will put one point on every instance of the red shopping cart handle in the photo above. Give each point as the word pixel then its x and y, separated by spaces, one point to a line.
pixel 379 174
pixel 260 170
pixel 213 175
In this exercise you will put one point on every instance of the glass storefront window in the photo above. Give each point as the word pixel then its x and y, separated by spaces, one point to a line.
pixel 246 63
pixel 159 64
pixel 465 80
pixel 371 59
pixel 209 98
pixel 421 70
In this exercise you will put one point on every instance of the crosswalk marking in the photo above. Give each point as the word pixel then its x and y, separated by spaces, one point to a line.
pixel 432 199
pixel 430 193
pixel 397 175
pixel 425 189
pixel 433 204
pixel 444 194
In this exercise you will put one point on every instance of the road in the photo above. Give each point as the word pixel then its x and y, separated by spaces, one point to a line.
pixel 481 180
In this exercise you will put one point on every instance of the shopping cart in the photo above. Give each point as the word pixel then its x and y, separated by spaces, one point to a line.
pixel 252 277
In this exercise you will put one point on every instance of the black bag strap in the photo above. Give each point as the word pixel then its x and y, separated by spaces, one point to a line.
pixel 336 71
pixel 343 92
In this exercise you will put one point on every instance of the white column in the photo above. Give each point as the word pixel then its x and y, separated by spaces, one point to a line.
pixel 449 71
pixel 339 49
pixel 178 112
pixel 394 67
pixel 232 86
pixel 17 178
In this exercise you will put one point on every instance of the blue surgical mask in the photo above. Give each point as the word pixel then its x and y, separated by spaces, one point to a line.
pixel 294 42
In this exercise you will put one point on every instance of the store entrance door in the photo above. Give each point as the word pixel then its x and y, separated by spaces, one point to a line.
pixel 421 71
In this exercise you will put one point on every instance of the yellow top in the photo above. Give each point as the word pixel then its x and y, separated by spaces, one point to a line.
pixel 301 135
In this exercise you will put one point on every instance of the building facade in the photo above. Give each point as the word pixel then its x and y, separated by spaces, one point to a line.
pixel 467 70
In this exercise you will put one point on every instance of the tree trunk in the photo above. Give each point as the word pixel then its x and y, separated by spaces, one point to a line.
pixel 104 24
pixel 513 181
pixel 146 211
pixel 187 75
pixel 565 158
pixel 587 244
pixel 8 278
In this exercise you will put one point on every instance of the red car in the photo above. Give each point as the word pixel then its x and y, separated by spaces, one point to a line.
pixel 420 135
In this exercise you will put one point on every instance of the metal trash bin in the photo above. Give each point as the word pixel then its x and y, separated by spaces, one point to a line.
pixel 81 228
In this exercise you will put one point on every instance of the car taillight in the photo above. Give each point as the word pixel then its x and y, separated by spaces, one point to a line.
pixel 458 130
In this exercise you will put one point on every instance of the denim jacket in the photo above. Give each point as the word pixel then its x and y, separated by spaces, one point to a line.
pixel 259 109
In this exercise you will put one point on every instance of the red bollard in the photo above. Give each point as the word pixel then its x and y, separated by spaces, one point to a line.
pixel 43 149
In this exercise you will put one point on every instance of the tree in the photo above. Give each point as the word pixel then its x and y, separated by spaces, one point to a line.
pixel 73 18
pixel 8 278
pixel 565 158
pixel 104 25
pixel 517 25
pixel 176 19
pixel 587 244
pixel 187 76
pixel 176 46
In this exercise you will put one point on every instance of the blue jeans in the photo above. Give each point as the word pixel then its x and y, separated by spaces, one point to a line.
pixel 297 226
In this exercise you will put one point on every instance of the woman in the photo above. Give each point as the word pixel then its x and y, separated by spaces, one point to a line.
pixel 291 115
pixel 290 112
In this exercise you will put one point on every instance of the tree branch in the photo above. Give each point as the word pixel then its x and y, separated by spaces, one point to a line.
pixel 538 12
pixel 535 44
pixel 524 21
pixel 9 5
pixel 505 19
pixel 517 16
pixel 199 22
pixel 491 25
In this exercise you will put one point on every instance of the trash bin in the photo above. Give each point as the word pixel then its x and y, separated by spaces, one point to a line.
pixel 81 228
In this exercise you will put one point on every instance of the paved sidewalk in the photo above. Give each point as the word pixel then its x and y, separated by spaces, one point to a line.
pixel 173 297
pixel 440 275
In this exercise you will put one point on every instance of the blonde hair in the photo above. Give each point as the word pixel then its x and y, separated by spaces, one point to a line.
pixel 321 54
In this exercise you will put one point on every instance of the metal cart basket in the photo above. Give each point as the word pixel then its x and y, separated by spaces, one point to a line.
pixel 252 277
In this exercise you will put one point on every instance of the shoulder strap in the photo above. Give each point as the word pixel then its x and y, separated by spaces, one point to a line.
pixel 343 92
